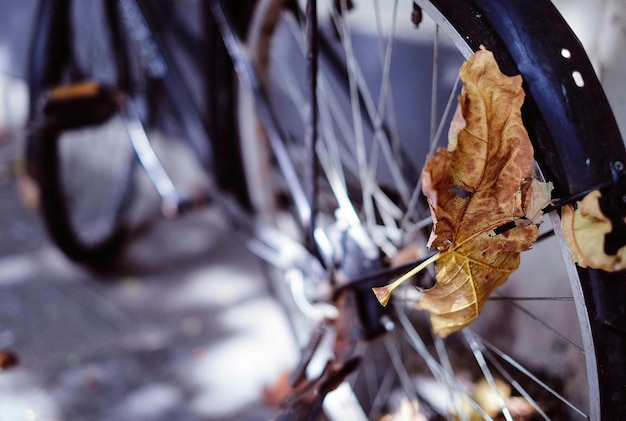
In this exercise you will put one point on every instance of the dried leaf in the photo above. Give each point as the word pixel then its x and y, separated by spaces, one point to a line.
pixel 274 393
pixel 483 181
pixel 487 398
pixel 535 196
pixel 487 161
pixel 409 410
pixel 8 359
pixel 585 230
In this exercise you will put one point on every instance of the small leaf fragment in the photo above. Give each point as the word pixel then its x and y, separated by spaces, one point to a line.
pixel 535 196
pixel 585 230
pixel 383 294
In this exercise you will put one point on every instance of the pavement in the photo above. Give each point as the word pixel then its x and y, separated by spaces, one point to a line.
pixel 181 332
pixel 184 327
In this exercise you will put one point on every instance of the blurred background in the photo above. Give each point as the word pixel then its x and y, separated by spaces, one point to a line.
pixel 172 334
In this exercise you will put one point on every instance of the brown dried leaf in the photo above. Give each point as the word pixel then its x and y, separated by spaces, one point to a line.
pixel 274 393
pixel 585 230
pixel 487 398
pixel 481 182
pixel 8 359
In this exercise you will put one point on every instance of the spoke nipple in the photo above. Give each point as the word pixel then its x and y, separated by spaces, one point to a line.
pixel 618 166
pixel 387 323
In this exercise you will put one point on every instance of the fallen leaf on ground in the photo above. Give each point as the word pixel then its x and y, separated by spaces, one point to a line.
pixel 409 410
pixel 276 392
pixel 585 230
pixel 8 359
pixel 487 398
pixel 481 182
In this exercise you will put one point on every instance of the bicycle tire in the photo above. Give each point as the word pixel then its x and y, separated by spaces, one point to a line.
pixel 564 129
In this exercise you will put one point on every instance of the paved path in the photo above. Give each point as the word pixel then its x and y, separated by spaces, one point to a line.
pixel 185 331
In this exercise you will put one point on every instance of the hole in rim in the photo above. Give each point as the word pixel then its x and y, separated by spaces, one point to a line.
pixel 578 78
pixel 566 53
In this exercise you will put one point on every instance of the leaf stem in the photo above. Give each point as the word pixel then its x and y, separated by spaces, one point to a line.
pixel 384 293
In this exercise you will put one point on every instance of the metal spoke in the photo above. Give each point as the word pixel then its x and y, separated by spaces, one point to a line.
pixel 364 94
pixel 507 298
pixel 387 209
pixel 436 369
pixel 434 87
pixel 528 374
pixel 385 96
pixel 433 146
pixel 400 369
pixel 359 138
pixel 386 84
pixel 442 353
pixel 482 363
pixel 546 325
pixel 382 394
pixel 332 156
pixel 520 389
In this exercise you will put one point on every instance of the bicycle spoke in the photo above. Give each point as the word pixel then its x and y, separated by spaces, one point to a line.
pixel 417 190
pixel 518 387
pixel 385 97
pixel 382 395
pixel 365 177
pixel 507 298
pixel 447 366
pixel 332 157
pixel 435 87
pixel 362 92
pixel 336 156
pixel 400 369
pixel 545 325
pixel 436 369
pixel 510 360
pixel 482 363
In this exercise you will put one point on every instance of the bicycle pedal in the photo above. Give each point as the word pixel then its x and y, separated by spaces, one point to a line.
pixel 81 104
pixel 75 90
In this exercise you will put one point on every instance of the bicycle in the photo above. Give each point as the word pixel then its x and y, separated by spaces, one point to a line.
pixel 333 192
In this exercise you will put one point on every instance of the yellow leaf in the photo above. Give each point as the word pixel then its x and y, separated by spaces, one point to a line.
pixel 585 230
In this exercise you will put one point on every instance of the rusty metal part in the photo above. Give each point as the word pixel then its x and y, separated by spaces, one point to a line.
pixel 305 402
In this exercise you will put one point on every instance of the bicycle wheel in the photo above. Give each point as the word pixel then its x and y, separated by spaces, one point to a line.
pixel 79 151
pixel 377 74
